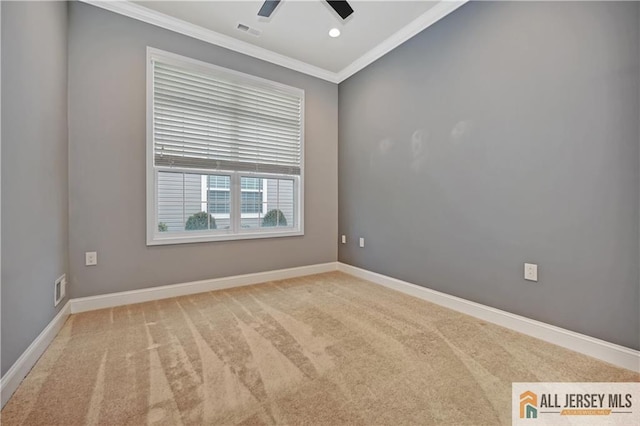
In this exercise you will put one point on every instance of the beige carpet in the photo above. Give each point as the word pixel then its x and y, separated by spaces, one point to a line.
pixel 326 349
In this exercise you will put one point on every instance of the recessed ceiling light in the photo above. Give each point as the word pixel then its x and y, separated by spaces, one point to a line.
pixel 334 32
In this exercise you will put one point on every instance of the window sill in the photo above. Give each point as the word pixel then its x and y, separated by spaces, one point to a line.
pixel 158 240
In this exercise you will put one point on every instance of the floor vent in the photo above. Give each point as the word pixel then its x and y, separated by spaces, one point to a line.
pixel 59 290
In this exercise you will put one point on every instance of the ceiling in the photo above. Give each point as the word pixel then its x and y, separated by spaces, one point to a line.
pixel 296 34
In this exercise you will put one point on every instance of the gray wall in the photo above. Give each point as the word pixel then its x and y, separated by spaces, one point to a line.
pixel 34 169
pixel 107 55
pixel 505 133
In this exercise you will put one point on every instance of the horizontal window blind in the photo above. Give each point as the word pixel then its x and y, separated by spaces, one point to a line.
pixel 211 121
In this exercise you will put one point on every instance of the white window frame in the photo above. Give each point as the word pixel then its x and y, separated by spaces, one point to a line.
pixel 155 237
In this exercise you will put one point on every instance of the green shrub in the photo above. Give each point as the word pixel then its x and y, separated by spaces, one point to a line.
pixel 274 217
pixel 199 221
pixel 162 227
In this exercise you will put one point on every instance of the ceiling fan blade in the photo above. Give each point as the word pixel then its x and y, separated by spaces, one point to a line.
pixel 268 7
pixel 341 7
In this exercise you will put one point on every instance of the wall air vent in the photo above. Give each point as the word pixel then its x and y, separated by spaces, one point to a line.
pixel 247 29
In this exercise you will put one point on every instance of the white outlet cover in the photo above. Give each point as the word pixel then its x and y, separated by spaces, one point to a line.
pixel 91 258
pixel 344 239
pixel 361 242
pixel 531 272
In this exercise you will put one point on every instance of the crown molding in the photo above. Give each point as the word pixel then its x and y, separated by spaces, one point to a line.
pixel 430 17
pixel 141 13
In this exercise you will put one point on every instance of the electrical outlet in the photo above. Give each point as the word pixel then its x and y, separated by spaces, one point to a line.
pixel 531 272
pixel 361 242
pixel 344 239
pixel 91 258
pixel 59 289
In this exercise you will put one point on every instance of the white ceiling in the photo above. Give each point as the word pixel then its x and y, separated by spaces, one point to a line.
pixel 296 34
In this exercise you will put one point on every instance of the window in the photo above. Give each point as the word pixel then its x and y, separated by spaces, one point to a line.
pixel 219 195
pixel 224 153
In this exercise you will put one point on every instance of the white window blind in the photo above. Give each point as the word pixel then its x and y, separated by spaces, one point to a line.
pixel 216 121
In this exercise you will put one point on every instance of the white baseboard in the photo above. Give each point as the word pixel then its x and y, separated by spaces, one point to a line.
pixel 12 379
pixel 596 348
pixel 91 303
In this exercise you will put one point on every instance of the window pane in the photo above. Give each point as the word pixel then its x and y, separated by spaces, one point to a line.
pixel 184 203
pixel 251 201
pixel 251 205
pixel 279 203
pixel 271 206
pixel 219 195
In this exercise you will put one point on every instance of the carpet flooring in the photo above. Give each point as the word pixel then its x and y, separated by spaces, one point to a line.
pixel 325 349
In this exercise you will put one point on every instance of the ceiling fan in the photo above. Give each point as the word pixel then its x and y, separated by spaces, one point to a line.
pixel 340 6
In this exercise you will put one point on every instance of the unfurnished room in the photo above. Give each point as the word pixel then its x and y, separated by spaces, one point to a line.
pixel 313 212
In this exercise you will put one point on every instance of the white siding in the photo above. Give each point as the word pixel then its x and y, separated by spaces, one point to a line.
pixel 179 196
pixel 281 198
